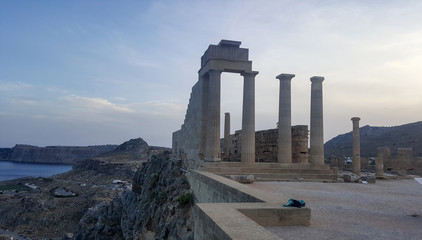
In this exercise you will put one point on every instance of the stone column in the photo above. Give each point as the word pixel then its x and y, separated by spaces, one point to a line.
pixel 213 121
pixel 226 133
pixel 317 125
pixel 204 80
pixel 248 119
pixel 382 154
pixel 356 146
pixel 284 139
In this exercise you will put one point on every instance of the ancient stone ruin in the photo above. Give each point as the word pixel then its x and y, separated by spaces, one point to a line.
pixel 198 141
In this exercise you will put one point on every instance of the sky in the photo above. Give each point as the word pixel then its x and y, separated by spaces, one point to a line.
pixel 76 73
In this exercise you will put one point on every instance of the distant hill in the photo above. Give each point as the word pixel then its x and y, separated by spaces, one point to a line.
pixel 134 149
pixel 52 154
pixel 403 136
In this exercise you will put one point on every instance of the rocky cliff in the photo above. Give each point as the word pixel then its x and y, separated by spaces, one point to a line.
pixel 145 197
pixel 403 136
pixel 158 207
pixel 52 154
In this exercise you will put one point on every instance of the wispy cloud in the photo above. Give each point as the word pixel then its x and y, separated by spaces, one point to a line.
pixel 13 86
pixel 90 103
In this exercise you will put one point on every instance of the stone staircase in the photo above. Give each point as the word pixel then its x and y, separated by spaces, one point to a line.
pixel 275 171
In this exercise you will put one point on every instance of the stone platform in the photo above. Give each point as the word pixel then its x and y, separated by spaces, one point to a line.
pixel 275 171
pixel 226 209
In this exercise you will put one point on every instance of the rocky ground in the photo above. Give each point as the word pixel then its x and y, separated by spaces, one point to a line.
pixel 84 203
pixel 54 206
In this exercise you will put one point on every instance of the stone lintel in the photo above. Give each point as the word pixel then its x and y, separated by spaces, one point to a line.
pixel 229 43
pixel 225 65
pixel 317 79
pixel 285 76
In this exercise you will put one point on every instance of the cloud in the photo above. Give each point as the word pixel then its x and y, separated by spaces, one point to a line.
pixel 14 86
pixel 90 103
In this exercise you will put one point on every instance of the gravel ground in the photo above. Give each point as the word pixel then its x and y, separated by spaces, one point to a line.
pixel 389 209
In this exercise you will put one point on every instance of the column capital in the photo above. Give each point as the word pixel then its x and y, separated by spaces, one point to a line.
pixel 355 119
pixel 251 74
pixel 285 76
pixel 215 71
pixel 317 79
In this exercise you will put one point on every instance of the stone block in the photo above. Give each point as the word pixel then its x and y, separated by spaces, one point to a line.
pixel 369 178
pixel 351 177
pixel 242 178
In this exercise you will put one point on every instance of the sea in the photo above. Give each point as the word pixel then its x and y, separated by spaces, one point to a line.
pixel 12 170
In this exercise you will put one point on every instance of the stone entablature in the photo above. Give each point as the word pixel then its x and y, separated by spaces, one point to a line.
pixel 218 56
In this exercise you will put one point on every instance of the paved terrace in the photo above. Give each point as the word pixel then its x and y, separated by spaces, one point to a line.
pixel 389 209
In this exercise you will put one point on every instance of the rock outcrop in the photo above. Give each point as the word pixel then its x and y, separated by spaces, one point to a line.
pixel 52 154
pixel 158 207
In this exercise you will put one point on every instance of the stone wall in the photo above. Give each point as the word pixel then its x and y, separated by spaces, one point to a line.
pixel 266 145
pixel 187 140
pixel 210 190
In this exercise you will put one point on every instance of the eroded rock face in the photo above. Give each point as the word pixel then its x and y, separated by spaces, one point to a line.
pixel 158 207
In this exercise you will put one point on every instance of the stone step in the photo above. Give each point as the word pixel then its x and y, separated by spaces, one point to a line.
pixel 264 165
pixel 326 180
pixel 286 176
pixel 268 170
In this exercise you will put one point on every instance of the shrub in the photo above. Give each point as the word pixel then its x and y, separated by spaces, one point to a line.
pixel 185 199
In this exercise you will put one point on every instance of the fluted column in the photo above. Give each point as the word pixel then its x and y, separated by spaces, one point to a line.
pixel 248 119
pixel 317 125
pixel 284 139
pixel 213 121
pixel 226 142
pixel 356 146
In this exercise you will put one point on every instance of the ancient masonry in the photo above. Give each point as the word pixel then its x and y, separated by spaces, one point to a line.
pixel 198 141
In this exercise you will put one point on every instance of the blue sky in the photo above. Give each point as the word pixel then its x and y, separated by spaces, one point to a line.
pixel 103 72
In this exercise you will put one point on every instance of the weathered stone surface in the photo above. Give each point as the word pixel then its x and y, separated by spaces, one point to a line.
pixel 284 142
pixel 317 123
pixel 242 178
pixel 351 177
pixel 369 178
pixel 356 146
pixel 266 145
pixel 383 153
